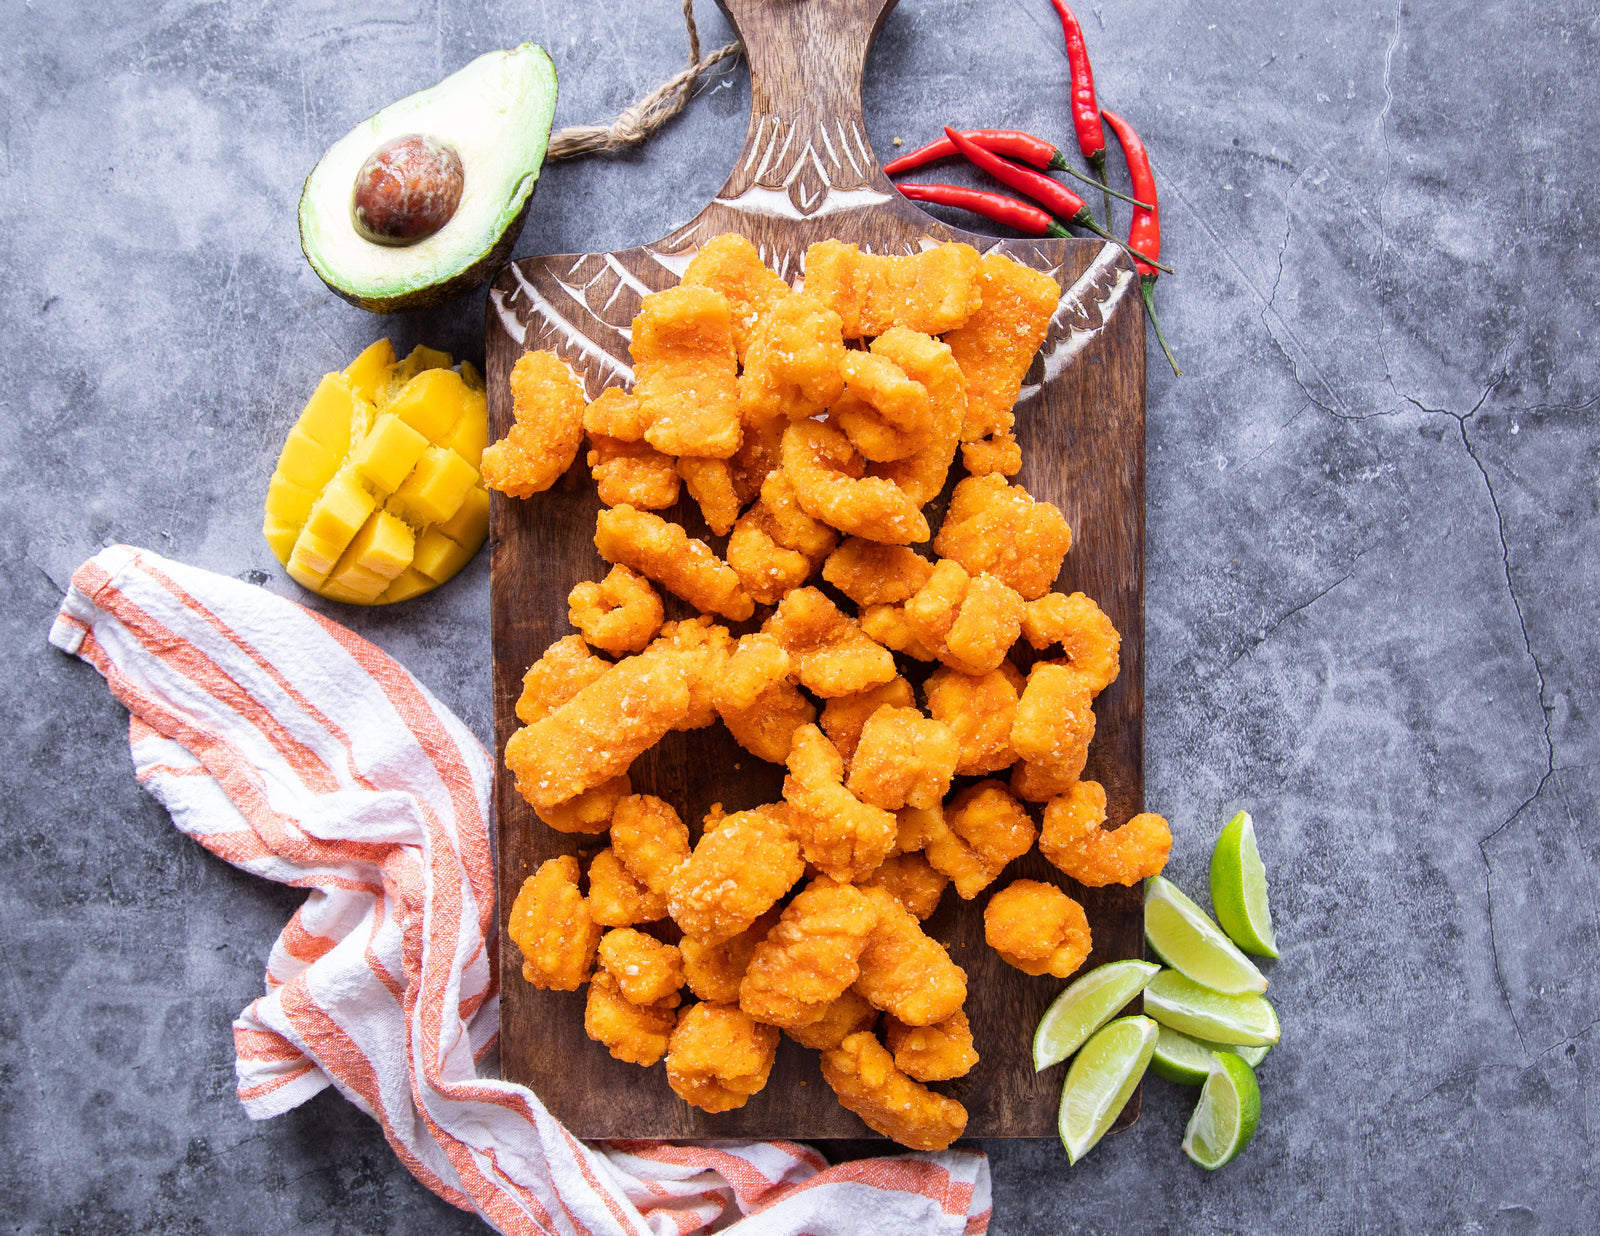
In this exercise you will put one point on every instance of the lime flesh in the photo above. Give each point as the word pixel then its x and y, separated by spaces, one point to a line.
pixel 1239 888
pixel 1085 1006
pixel 1186 1061
pixel 1102 1079
pixel 1186 938
pixel 1225 1119
pixel 1178 1001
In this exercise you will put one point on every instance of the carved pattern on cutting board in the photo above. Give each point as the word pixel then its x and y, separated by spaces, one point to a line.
pixel 801 169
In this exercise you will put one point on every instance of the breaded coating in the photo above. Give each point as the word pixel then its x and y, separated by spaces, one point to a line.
pixel 710 483
pixel 847 1015
pixel 757 662
pixel 811 957
pixel 932 291
pixel 1074 841
pixel 601 730
pixel 647 971
pixel 792 368
pixel 968 622
pixel 915 825
pixel 774 546
pixel 885 414
pixel 616 898
pixel 940 1052
pixel 686 373
pixel 903 760
pixel 730 265
pixel 981 830
pixel 620 614
pixel 911 880
pixel 667 554
pixel 1092 644
pixel 870 573
pixel 705 646
pixel 719 1056
pixel 839 834
pixel 590 812
pixel 760 706
pixel 758 456
pixel 887 625
pixel 714 971
pixel 551 925
pixel 830 485
pixel 863 1075
pixel 998 343
pixel 632 473
pixel 736 874
pixel 616 414
pixel 1000 455
pixel 547 402
pixel 844 716
pixel 905 971
pixel 921 475
pixel 980 709
pixel 1037 928
pixel 1055 719
pixel 650 841
pixel 637 1033
pixel 565 668
pixel 829 652
pixel 998 528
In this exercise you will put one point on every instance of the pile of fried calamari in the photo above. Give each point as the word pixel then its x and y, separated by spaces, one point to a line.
pixel 813 458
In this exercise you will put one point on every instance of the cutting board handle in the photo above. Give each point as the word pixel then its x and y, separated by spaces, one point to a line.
pixel 807 139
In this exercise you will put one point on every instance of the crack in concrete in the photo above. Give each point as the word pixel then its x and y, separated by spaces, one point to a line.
pixel 1267 632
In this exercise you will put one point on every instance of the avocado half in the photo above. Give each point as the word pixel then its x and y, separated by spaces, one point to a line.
pixel 496 113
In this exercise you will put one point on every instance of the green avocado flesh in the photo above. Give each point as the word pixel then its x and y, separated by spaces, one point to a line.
pixel 496 113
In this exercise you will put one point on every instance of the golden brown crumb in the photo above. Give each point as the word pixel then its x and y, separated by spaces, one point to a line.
pixel 547 402
pixel 550 923
pixel 1074 841
pixel 719 1056
pixel 620 614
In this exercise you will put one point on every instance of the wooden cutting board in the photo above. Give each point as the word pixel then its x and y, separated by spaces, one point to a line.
pixel 807 173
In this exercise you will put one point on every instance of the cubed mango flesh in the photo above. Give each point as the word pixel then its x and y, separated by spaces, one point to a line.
pixel 387 454
pixel 436 488
pixel 438 557
pixel 431 402
pixel 369 371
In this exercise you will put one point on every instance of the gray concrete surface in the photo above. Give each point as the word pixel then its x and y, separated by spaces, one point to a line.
pixel 1372 562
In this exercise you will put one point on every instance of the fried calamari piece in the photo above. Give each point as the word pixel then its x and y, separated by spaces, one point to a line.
pixel 922 475
pixel 968 622
pixel 551 925
pixel 839 834
pixel 870 573
pixel 863 1075
pixel 686 373
pixel 1037 928
pixel 621 613
pixel 999 529
pixel 940 1052
pixel 705 646
pixel 650 841
pixel 847 1015
pixel 714 971
pixel 616 414
pixel 637 1033
pixel 911 880
pixel 760 706
pixel 1085 634
pixel 829 652
pixel 759 455
pixel 590 812
pixel 915 825
pixel 811 957
pixel 776 546
pixel 1074 841
pixel 905 971
pixel 887 625
pixel 932 291
pixel 903 760
pixel 829 484
pixel 547 402
pixel 730 265
pixel 1054 721
pixel 1000 455
pixel 792 368
pixel 736 874
pixel 885 414
pixel 844 716
pixel 632 473
pixel 667 554
pixel 757 662
pixel 616 898
pixel 719 1056
pixel 980 830
pixel 566 668
pixel 710 483
pixel 980 709
pixel 647 971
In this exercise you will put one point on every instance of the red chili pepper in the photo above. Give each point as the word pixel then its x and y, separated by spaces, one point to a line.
pixel 1085 111
pixel 1054 196
pixel 1145 232
pixel 994 206
pixel 1024 147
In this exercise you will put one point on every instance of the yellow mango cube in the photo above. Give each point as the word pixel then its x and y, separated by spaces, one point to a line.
pixel 410 583
pixel 383 546
pixel 335 591
pixel 369 371
pixel 469 525
pixel 438 557
pixel 436 487
pixel 420 360
pixel 306 462
pixel 431 403
pixel 280 536
pixel 311 558
pixel 388 453
pixel 334 407
pixel 338 514
pixel 470 434
pixel 357 578
pixel 288 502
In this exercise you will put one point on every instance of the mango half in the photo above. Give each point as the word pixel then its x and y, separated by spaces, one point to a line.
pixel 376 496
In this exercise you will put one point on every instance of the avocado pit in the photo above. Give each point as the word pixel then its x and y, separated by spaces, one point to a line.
pixel 407 190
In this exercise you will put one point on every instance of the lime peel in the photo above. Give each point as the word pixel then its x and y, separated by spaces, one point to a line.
pixel 1239 888
pixel 1225 1118
pixel 1186 938
pixel 1102 1079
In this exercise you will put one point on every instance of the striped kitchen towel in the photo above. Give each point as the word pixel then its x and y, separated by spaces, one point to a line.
pixel 299 752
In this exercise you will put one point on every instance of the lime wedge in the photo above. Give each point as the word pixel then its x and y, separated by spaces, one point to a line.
pixel 1239 888
pixel 1186 938
pixel 1102 1079
pixel 1187 1061
pixel 1084 1007
pixel 1225 1119
pixel 1180 1002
